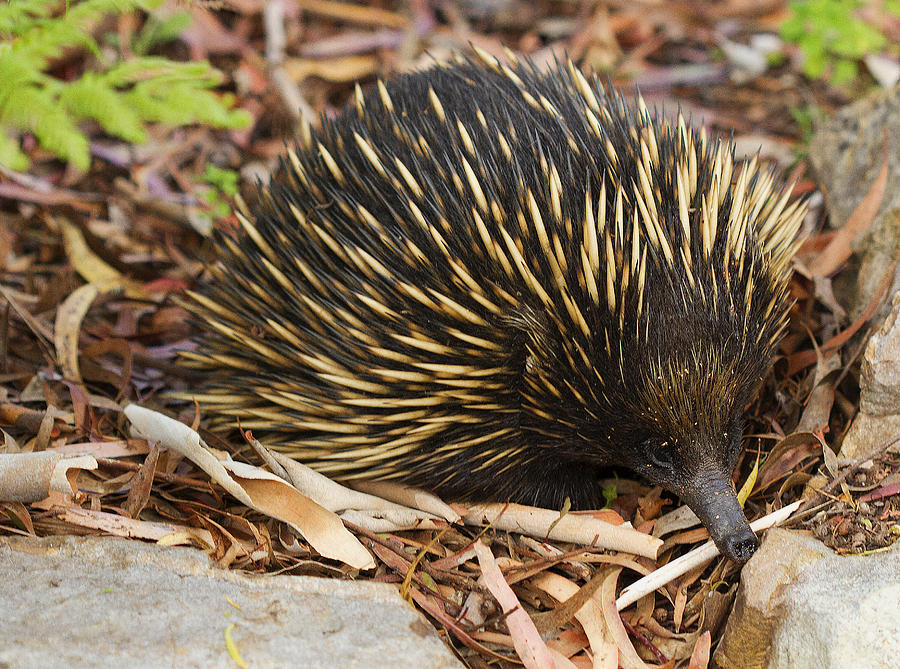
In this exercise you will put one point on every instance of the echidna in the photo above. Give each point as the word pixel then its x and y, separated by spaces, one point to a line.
pixel 493 282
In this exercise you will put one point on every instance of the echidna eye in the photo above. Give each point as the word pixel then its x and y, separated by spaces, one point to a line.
pixel 662 459
pixel 659 454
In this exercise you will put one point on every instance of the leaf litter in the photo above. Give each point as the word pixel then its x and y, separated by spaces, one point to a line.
pixel 89 334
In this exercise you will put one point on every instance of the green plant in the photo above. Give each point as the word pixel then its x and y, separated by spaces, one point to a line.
pixel 121 95
pixel 159 31
pixel 223 186
pixel 833 36
pixel 806 118
pixel 609 495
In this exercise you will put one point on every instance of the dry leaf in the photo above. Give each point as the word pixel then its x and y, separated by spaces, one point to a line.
pixel 354 13
pixel 330 494
pixel 838 250
pixel 169 534
pixel 141 484
pixel 67 329
pixel 91 268
pixel 409 497
pixel 320 527
pixel 256 488
pixel 606 599
pixel 530 648
pixel 345 68
pixel 590 616
pixel 29 477
pixel 700 656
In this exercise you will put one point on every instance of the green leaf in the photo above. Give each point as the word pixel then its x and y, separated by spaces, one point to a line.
pixel 123 97
pixel 29 108
pixel 815 62
pixel 159 31
pixel 91 98
pixel 833 35
pixel 223 179
pixel 844 71
pixel 609 494
pixel 11 155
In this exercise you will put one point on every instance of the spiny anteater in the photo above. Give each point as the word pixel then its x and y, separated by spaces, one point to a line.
pixel 492 282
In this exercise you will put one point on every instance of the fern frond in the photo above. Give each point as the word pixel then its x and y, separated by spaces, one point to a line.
pixel 122 97
pixel 28 108
pixel 18 16
pixel 92 98
pixel 11 155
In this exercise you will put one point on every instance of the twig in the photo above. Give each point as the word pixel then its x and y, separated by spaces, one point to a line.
pixel 198 484
pixel 458 580
pixel 273 20
pixel 645 641
pixel 544 523
pixel 691 560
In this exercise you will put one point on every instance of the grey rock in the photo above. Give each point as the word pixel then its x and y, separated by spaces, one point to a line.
pixel 847 152
pixel 869 432
pixel 880 381
pixel 748 633
pixel 800 605
pixel 879 400
pixel 108 602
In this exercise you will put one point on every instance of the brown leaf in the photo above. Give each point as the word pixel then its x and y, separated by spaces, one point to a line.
pixel 607 598
pixel 530 648
pixel 786 455
pixel 18 513
pixel 838 250
pixel 700 656
pixel 803 359
pixel 354 13
pixel 141 484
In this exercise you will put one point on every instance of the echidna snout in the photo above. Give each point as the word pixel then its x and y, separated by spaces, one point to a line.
pixel 493 282
pixel 712 497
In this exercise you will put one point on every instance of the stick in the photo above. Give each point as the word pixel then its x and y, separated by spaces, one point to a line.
pixel 693 559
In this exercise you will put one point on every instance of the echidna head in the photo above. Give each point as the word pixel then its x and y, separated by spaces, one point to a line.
pixel 689 444
pixel 676 417
pixel 667 404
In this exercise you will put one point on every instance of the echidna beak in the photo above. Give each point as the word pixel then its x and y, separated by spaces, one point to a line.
pixel 712 497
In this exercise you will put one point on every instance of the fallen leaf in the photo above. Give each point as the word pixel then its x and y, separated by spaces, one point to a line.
pixel 700 656
pixel 30 477
pixel 590 615
pixel 582 530
pixel 67 328
pixel 606 598
pixel 256 488
pixel 170 534
pixel 530 648
pixel 353 13
pixel 838 250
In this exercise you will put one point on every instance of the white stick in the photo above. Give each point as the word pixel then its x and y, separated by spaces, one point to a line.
pixel 576 529
pixel 695 558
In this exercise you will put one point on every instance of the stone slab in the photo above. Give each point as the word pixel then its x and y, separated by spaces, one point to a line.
pixel 109 602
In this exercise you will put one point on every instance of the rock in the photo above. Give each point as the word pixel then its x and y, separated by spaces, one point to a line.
pixel 799 605
pixel 748 633
pixel 867 433
pixel 878 419
pixel 847 152
pixel 109 602
pixel 881 367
